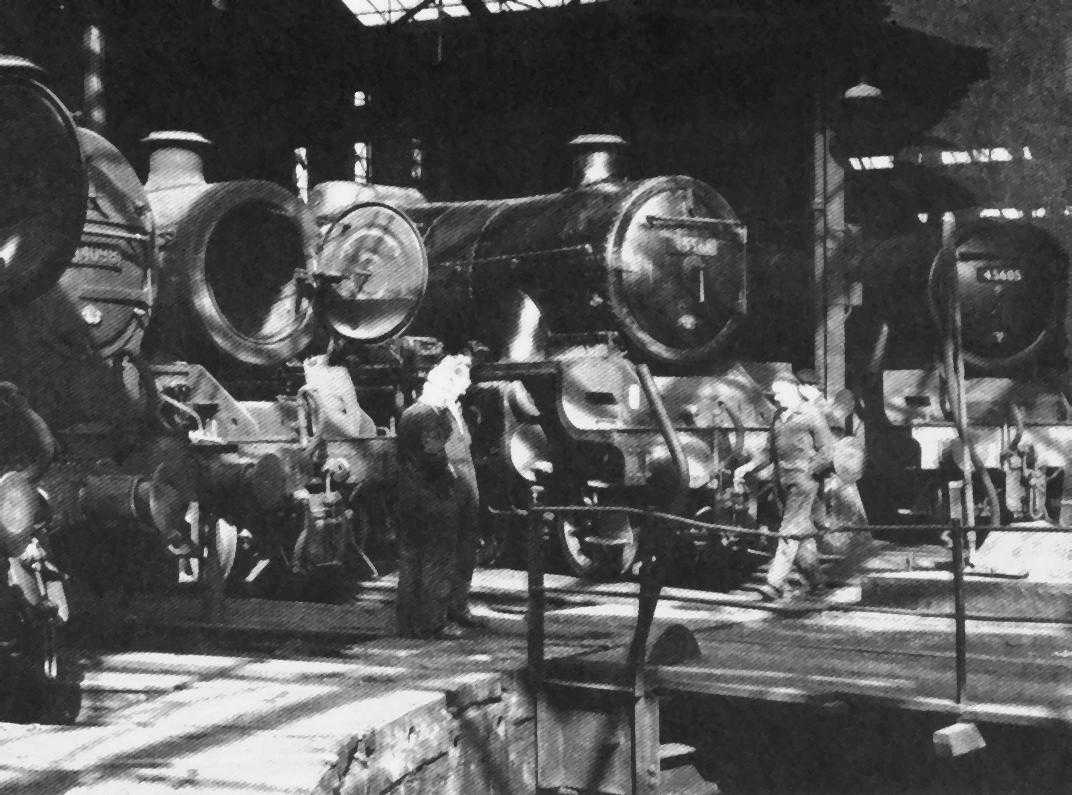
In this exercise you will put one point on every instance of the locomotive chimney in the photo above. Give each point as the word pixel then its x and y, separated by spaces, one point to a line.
pixel 597 158
pixel 175 159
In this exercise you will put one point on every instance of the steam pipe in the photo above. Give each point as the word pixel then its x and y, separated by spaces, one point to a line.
pixel 878 352
pixel 958 407
pixel 46 442
pixel 962 431
pixel 1018 419
pixel 673 442
pixel 653 570
pixel 967 459
pixel 738 429
pixel 147 384
pixel 872 377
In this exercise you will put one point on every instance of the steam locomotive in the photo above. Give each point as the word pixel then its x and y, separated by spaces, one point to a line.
pixel 156 426
pixel 161 421
pixel 604 313
pixel 998 288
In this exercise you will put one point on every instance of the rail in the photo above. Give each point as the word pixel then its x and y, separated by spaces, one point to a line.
pixel 536 606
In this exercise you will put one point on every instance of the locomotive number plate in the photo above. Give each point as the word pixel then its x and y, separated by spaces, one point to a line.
pixel 694 244
pixel 94 257
pixel 999 275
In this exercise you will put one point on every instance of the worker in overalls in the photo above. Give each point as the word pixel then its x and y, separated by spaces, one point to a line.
pixel 436 508
pixel 801 449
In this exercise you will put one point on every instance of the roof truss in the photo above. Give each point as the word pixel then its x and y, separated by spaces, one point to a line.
pixel 398 12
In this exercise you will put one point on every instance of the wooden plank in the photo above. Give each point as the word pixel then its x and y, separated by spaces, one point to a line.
pixel 131 682
pixel 992 648
pixel 357 621
pixel 809 662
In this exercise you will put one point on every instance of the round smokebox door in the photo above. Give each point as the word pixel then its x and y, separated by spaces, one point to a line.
pixel 678 280
pixel 43 201
pixel 376 269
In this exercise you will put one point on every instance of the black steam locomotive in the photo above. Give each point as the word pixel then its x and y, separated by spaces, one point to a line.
pixel 199 379
pixel 156 423
pixel 605 312
pixel 998 289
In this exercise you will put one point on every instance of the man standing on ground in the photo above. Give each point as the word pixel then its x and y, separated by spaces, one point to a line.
pixel 801 448
pixel 436 508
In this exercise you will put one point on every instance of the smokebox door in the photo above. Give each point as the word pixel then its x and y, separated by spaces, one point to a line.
pixel 376 269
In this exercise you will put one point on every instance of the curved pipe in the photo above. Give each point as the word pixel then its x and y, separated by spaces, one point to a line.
pixel 1018 419
pixel 46 442
pixel 673 443
pixel 738 429
pixel 880 349
pixel 148 385
pixel 933 288
pixel 953 386
pixel 872 378
pixel 182 408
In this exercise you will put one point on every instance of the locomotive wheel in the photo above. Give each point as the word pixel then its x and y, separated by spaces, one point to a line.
pixel 38 682
pixel 495 545
pixel 51 694
pixel 586 551
pixel 375 535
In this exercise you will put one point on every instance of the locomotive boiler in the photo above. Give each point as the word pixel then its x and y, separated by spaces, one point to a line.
pixel 998 288
pixel 595 310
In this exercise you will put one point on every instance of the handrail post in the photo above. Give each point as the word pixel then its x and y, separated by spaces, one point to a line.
pixel 536 607
pixel 653 569
pixel 652 576
pixel 961 640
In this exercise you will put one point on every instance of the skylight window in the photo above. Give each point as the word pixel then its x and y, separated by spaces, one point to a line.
pixel 384 12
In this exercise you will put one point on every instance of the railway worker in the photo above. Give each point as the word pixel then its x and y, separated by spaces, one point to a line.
pixel 801 450
pixel 436 509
